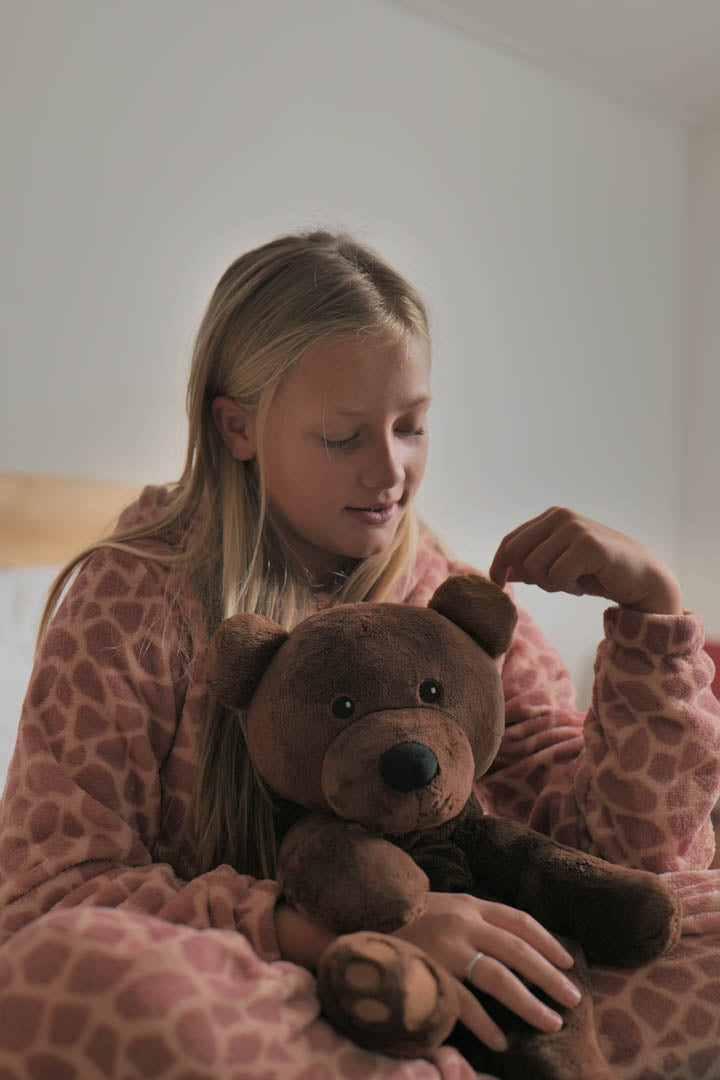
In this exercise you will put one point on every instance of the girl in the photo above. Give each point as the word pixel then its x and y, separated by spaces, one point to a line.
pixel 132 819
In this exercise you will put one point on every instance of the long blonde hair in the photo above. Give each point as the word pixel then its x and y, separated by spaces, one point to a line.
pixel 268 308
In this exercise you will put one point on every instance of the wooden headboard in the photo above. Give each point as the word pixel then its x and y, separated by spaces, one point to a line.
pixel 47 519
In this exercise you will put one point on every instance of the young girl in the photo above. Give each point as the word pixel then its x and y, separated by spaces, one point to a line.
pixel 132 820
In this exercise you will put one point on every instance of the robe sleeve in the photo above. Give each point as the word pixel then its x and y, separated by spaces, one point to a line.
pixel 635 780
pixel 98 739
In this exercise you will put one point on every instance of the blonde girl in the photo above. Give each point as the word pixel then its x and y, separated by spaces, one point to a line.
pixel 132 795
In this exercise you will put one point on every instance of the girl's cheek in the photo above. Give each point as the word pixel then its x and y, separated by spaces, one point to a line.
pixel 419 464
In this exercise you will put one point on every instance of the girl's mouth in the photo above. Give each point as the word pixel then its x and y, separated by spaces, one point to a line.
pixel 373 515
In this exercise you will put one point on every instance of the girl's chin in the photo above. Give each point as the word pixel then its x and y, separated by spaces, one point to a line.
pixel 332 555
pixel 342 553
pixel 375 545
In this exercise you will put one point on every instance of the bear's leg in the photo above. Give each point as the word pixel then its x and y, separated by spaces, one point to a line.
pixel 386 994
pixel 572 1053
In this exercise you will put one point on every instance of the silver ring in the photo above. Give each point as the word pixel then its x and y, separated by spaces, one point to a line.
pixel 469 967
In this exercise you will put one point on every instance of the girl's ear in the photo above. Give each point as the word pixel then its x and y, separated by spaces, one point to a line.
pixel 236 426
pixel 239 652
pixel 478 607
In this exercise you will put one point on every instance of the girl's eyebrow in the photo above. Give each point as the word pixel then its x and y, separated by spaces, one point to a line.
pixel 424 399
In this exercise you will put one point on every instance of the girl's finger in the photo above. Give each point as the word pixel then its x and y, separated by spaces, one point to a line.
pixel 521 539
pixel 492 977
pixel 540 521
pixel 537 564
pixel 579 568
pixel 514 953
pixel 517 545
pixel 475 1018
pixel 530 930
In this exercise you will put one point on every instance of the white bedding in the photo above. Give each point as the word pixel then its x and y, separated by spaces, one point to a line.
pixel 22 596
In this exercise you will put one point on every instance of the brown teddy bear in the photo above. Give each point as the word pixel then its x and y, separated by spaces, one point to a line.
pixel 370 722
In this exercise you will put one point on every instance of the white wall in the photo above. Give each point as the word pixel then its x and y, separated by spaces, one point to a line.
pixel 700 543
pixel 148 144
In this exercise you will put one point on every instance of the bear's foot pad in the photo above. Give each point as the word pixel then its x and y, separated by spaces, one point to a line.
pixel 386 994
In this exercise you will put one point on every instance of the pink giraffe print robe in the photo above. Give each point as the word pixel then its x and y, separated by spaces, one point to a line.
pixel 112 964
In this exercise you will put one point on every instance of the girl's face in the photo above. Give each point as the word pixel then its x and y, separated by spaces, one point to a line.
pixel 345 447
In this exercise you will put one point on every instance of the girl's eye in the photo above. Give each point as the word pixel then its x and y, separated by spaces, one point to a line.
pixel 337 444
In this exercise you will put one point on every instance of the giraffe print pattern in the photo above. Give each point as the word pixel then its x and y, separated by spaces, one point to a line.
pixel 99 992
pixel 115 961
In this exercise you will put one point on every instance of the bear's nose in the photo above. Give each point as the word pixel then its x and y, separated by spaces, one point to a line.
pixel 408 766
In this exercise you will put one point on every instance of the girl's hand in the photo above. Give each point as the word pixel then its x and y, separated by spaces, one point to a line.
pixel 562 551
pixel 455 926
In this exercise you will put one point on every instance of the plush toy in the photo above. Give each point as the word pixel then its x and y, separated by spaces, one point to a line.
pixel 370 722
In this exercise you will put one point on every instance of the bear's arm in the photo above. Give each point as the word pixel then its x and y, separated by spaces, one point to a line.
pixel 619 915
pixel 343 876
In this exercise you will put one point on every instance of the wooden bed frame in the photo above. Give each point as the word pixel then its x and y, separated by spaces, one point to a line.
pixel 44 520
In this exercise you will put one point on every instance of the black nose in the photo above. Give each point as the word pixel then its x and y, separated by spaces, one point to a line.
pixel 408 766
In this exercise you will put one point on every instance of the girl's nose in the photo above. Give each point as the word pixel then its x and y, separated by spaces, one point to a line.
pixel 383 468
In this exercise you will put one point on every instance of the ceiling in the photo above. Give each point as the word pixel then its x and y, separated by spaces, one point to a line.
pixel 660 55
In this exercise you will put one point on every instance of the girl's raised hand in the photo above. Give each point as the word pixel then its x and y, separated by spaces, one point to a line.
pixel 562 551
pixel 455 927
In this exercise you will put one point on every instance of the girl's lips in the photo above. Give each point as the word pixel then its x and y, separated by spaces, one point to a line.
pixel 373 516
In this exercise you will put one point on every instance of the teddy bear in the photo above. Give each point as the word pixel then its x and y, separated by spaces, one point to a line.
pixel 370 722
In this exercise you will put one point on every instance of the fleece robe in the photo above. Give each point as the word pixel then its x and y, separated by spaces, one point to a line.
pixel 117 962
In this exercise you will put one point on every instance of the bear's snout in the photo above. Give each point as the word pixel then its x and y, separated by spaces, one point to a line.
pixel 408 766
pixel 399 770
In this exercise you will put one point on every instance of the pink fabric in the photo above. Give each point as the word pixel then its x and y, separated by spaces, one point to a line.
pixel 113 961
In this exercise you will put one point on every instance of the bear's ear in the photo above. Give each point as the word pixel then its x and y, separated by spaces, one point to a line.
pixel 239 652
pixel 478 607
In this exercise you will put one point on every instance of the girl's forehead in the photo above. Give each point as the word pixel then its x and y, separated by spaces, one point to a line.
pixel 344 375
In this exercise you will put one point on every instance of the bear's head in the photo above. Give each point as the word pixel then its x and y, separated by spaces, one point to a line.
pixel 381 713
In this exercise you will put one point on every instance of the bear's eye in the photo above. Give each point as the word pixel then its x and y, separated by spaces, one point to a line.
pixel 430 692
pixel 342 707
